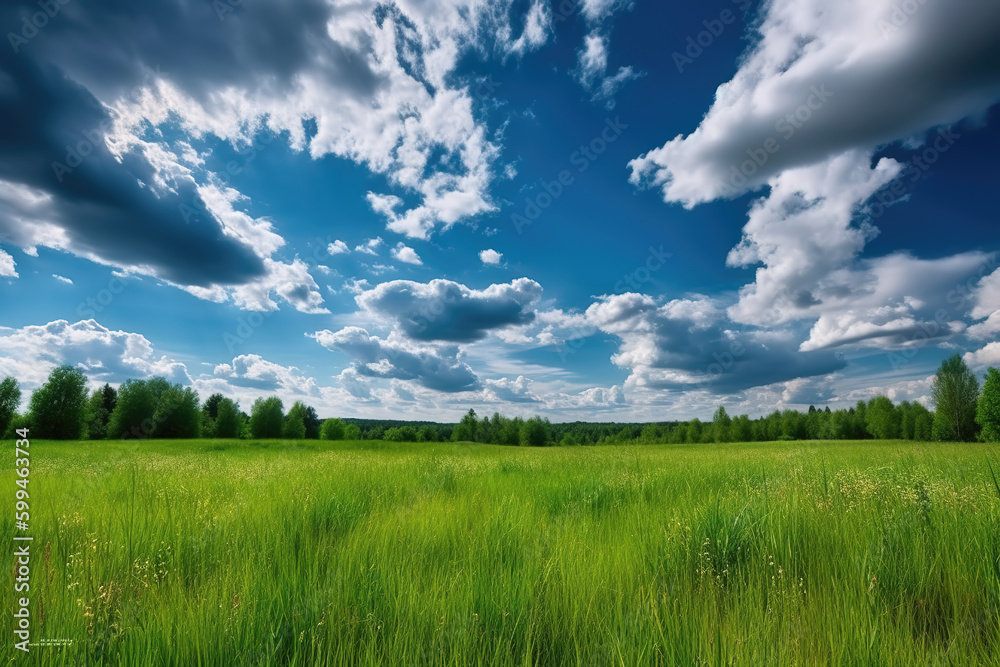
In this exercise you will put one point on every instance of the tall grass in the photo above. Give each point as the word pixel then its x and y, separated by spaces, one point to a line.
pixel 273 553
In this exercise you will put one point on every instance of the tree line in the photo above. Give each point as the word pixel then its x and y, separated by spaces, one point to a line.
pixel 155 408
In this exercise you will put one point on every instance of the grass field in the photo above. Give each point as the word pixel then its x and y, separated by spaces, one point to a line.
pixel 233 553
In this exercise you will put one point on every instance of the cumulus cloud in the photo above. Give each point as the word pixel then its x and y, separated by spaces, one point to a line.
pixel 443 310
pixel 370 247
pixel 136 207
pixel 406 254
pixel 505 390
pixel 338 247
pixel 826 80
pixel 254 372
pixel 105 355
pixel 437 367
pixel 984 357
pixel 370 82
pixel 490 257
pixel 63 279
pixel 987 307
pixel 7 266
pixel 690 344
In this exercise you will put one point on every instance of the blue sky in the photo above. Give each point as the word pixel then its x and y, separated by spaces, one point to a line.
pixel 586 209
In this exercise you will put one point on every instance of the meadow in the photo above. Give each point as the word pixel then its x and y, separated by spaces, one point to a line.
pixel 369 553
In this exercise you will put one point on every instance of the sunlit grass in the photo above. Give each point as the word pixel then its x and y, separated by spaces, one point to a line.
pixel 236 553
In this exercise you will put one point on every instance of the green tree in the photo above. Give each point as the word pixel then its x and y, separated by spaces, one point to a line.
pixel 535 432
pixel 741 430
pixel 229 422
pixel 211 407
pixel 96 416
pixel 988 408
pixel 177 413
pixel 10 399
pixel 955 392
pixel 882 419
pixel 312 422
pixel 133 413
pixel 267 418
pixel 352 432
pixel 467 428
pixel 58 407
pixel 721 424
pixel 295 422
pixel 333 429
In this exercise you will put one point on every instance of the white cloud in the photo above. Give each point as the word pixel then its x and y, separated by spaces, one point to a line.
pixel 252 371
pixel 443 310
pixel 62 279
pixel 689 344
pixel 537 26
pixel 490 257
pixel 505 390
pixel 370 247
pixel 338 247
pixel 438 367
pixel 987 307
pixel 986 356
pixel 406 255
pixel 593 58
pixel 105 355
pixel 7 266
pixel 827 79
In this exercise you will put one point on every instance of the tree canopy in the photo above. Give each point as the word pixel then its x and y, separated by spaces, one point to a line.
pixel 988 408
pixel 58 407
pixel 955 392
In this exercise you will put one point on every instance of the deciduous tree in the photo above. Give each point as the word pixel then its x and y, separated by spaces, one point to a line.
pixel 58 407
pixel 988 408
pixel 955 392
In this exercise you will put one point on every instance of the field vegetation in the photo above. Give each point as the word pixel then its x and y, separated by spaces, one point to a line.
pixel 299 552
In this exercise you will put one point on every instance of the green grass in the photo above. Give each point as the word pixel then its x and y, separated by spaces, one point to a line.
pixel 232 553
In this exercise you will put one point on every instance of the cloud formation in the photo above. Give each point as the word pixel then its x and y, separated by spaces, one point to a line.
pixel 7 266
pixel 406 254
pixel 443 310
pixel 825 80
pixel 689 344
pixel 490 257
pixel 105 355
pixel 438 367
pixel 252 371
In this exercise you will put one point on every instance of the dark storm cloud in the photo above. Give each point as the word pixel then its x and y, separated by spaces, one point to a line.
pixel 51 142
pixel 442 310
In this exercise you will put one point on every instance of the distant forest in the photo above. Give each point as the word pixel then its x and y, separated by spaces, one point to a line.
pixel 63 409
